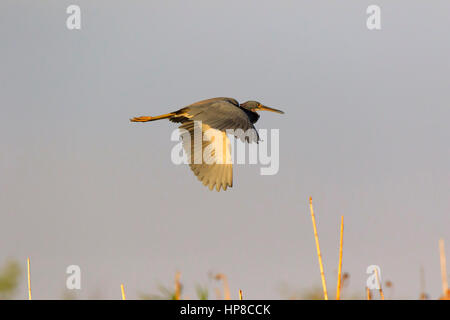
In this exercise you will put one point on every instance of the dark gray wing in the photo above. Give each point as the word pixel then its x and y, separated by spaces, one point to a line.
pixel 223 114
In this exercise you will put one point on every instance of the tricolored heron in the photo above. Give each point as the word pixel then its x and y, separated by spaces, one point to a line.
pixel 217 115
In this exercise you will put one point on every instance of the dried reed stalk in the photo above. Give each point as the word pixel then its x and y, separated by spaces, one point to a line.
pixel 338 290
pixel 368 293
pixel 443 268
pixel 123 292
pixel 226 288
pixel 177 286
pixel 29 278
pixel 324 285
pixel 379 284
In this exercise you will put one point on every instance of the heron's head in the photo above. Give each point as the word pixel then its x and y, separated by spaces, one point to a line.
pixel 257 106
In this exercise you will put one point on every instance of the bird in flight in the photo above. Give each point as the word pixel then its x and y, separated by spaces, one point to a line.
pixel 215 117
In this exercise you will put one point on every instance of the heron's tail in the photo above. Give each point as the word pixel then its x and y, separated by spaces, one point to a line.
pixel 146 119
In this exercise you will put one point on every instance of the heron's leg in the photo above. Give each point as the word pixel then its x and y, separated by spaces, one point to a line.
pixel 146 119
pixel 141 119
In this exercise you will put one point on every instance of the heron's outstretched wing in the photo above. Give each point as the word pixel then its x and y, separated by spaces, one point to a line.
pixel 221 114
pixel 209 154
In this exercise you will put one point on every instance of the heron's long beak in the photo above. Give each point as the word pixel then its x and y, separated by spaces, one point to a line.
pixel 264 108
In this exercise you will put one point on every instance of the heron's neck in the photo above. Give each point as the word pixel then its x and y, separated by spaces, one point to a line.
pixel 253 116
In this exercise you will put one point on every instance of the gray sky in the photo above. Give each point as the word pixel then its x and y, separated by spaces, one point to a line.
pixel 365 134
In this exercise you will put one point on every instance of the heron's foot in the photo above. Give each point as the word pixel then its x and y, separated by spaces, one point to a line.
pixel 141 119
